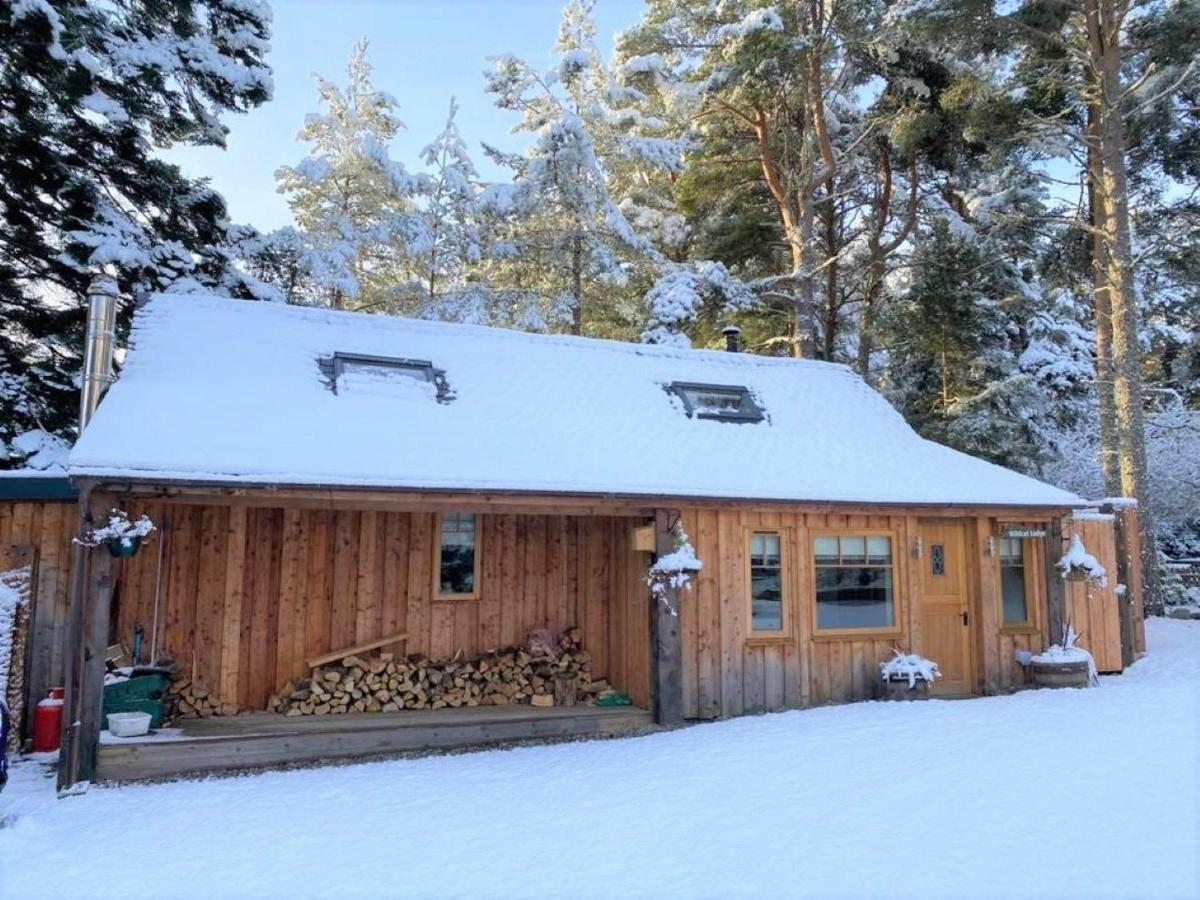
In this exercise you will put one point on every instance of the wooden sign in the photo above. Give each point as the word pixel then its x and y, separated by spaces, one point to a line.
pixel 1024 532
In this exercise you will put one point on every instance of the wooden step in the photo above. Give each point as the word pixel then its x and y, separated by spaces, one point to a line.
pixel 263 740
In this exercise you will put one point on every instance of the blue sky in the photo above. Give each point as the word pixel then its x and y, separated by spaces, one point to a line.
pixel 423 52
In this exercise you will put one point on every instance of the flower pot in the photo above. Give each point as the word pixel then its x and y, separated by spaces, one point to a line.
pixel 1060 674
pixel 899 689
pixel 123 548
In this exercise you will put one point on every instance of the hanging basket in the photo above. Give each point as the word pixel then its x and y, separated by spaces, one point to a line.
pixel 124 547
pixel 1077 573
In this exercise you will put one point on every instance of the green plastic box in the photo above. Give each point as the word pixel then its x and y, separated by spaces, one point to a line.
pixel 141 694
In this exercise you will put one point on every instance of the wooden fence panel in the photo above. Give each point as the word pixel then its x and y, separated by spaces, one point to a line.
pixel 1092 607
pixel 48 527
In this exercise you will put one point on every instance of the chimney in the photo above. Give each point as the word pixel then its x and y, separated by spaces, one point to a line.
pixel 98 345
pixel 732 333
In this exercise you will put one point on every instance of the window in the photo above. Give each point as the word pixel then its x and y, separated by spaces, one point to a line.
pixel 723 402
pixel 457 558
pixel 854 582
pixel 1012 581
pixel 359 374
pixel 766 583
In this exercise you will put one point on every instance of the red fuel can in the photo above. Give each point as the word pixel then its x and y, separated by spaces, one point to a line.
pixel 47 722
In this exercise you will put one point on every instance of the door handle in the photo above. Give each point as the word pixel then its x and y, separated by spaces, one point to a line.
pixel 966 617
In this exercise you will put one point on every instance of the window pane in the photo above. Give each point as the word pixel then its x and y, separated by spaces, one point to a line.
pixel 756 547
pixel 855 597
pixel 1010 551
pixel 458 553
pixel 826 549
pixel 879 550
pixel 766 599
pixel 771 549
pixel 854 550
pixel 766 586
pixel 1012 585
pixel 712 402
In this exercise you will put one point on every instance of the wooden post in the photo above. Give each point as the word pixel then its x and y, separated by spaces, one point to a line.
pixel 666 646
pixel 1056 587
pixel 87 642
pixel 1125 597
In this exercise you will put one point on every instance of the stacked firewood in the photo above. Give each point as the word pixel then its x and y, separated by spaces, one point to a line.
pixel 188 700
pixel 545 672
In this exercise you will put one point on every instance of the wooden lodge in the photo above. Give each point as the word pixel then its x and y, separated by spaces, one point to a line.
pixel 323 481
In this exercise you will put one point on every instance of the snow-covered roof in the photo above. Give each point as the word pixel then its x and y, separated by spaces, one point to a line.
pixel 218 390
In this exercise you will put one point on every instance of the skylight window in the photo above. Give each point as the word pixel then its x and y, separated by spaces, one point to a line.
pixel 355 373
pixel 723 402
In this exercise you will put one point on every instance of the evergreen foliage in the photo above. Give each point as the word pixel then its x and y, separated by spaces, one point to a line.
pixel 88 91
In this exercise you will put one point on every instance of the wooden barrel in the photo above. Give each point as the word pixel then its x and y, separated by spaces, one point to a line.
pixel 1060 674
pixel 898 689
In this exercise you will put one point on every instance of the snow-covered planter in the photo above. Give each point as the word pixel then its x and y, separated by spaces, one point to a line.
pixel 674 570
pixel 1079 565
pixel 908 676
pixel 122 534
pixel 1065 664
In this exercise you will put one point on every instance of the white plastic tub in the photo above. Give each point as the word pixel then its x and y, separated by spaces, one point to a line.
pixel 129 724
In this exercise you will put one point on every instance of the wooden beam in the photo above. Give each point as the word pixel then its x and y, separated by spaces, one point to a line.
pixel 355 649
pixel 667 645
pixel 101 581
pixel 68 756
pixel 1125 528
pixel 91 595
pixel 532 502
pixel 1056 587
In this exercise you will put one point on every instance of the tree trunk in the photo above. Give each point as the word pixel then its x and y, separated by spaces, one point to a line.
pixel 829 222
pixel 577 285
pixel 1104 20
pixel 1102 305
pixel 866 321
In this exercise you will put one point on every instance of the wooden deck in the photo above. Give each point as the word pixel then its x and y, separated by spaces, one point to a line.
pixel 263 739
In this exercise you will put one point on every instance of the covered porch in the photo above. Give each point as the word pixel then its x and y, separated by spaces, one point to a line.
pixel 245 589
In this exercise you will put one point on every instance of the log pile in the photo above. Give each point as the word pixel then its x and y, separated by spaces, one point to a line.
pixel 188 700
pixel 548 671
pixel 14 635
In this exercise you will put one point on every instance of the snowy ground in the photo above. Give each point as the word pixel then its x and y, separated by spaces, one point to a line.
pixel 1042 794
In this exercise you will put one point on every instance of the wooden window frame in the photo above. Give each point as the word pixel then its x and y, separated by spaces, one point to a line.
pixel 784 633
pixel 473 594
pixel 1031 558
pixel 898 578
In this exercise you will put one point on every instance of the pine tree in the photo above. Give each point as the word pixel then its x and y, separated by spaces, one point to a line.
pixel 451 219
pixel 352 203
pixel 87 92
pixel 567 237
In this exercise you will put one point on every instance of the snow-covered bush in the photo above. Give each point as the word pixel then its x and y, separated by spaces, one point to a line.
pixel 1079 565
pixel 909 667
pixel 119 529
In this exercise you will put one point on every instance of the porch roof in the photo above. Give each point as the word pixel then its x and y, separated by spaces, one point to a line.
pixel 234 392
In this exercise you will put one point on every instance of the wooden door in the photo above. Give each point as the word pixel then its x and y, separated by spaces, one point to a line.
pixel 943 606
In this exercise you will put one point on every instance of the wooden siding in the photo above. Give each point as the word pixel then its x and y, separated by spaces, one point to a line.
pixel 1092 607
pixel 48 528
pixel 727 671
pixel 249 593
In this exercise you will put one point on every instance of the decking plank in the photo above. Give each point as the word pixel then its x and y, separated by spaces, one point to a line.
pixel 253 741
